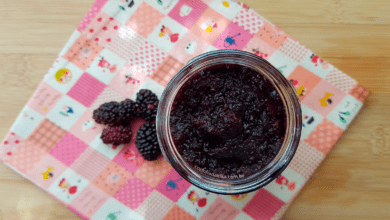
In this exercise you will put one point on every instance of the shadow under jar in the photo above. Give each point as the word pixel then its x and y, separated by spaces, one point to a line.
pixel 229 122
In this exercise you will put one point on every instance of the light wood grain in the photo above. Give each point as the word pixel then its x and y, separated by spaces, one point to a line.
pixel 352 183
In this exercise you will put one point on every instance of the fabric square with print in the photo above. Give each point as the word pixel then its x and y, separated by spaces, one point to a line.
pixel 68 186
pixel 66 112
pixel 112 178
pixel 114 210
pixel 102 28
pixel 227 8
pixel 153 172
pixel 9 145
pixel 46 171
pixel 340 80
pixel 186 12
pixel 281 62
pixel 83 52
pixel 90 163
pixel 147 58
pixel 63 75
pixel 220 209
pixel 167 70
pixel 286 185
pixel 263 206
pixel 173 186
pixel 145 19
pixel 125 43
pixel 68 149
pixel 177 213
pixel 249 20
pixel 325 136
pixel 89 201
pixel 44 99
pixel 259 48
pixel 105 66
pixel 303 81
pixel 196 201
pixel 26 122
pixel 210 25
pixel 294 50
pixel 234 37
pixel 345 112
pixel 155 207
pixel 86 90
pixel 188 47
pixel 306 160
pixel 324 98
pixel 133 193
pixel 167 34
pixel 272 35
pixel 127 81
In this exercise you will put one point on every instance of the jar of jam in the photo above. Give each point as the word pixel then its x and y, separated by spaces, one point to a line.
pixel 229 122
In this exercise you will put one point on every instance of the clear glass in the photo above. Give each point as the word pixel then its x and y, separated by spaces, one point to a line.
pixel 262 177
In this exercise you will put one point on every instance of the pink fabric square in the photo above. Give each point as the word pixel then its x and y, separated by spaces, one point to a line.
pixel 129 157
pixel 93 11
pixel 187 12
pixel 233 37
pixel 89 201
pixel 68 149
pixel 263 206
pixel 90 163
pixel 102 28
pixel 86 89
pixel 133 193
pixel 127 82
pixel 173 186
pixel 9 145
pixel 259 48
pixel 147 58
pixel 220 209
pixel 44 98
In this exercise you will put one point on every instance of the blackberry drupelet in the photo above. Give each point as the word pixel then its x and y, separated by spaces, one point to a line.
pixel 107 114
pixel 117 135
pixel 146 142
pixel 127 111
pixel 147 103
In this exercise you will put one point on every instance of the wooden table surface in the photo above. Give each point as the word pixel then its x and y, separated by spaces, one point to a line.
pixel 354 35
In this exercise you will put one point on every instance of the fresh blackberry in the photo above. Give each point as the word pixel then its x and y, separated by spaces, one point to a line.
pixel 147 103
pixel 107 114
pixel 127 111
pixel 146 142
pixel 117 135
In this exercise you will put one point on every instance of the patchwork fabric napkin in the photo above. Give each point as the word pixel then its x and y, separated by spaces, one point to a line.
pixel 124 45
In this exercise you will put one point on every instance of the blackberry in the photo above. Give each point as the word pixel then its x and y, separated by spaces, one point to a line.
pixel 146 142
pixel 107 114
pixel 117 135
pixel 127 111
pixel 147 103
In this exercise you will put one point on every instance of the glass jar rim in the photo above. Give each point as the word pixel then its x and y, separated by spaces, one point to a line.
pixel 265 175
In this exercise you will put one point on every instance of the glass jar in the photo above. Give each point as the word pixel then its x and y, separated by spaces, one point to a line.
pixel 265 175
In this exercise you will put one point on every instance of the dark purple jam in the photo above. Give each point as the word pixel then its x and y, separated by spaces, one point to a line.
pixel 228 121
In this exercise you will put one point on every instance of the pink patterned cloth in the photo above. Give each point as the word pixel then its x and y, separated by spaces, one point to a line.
pixel 122 46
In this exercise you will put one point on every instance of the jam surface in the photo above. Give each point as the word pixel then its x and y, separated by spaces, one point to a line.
pixel 228 121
